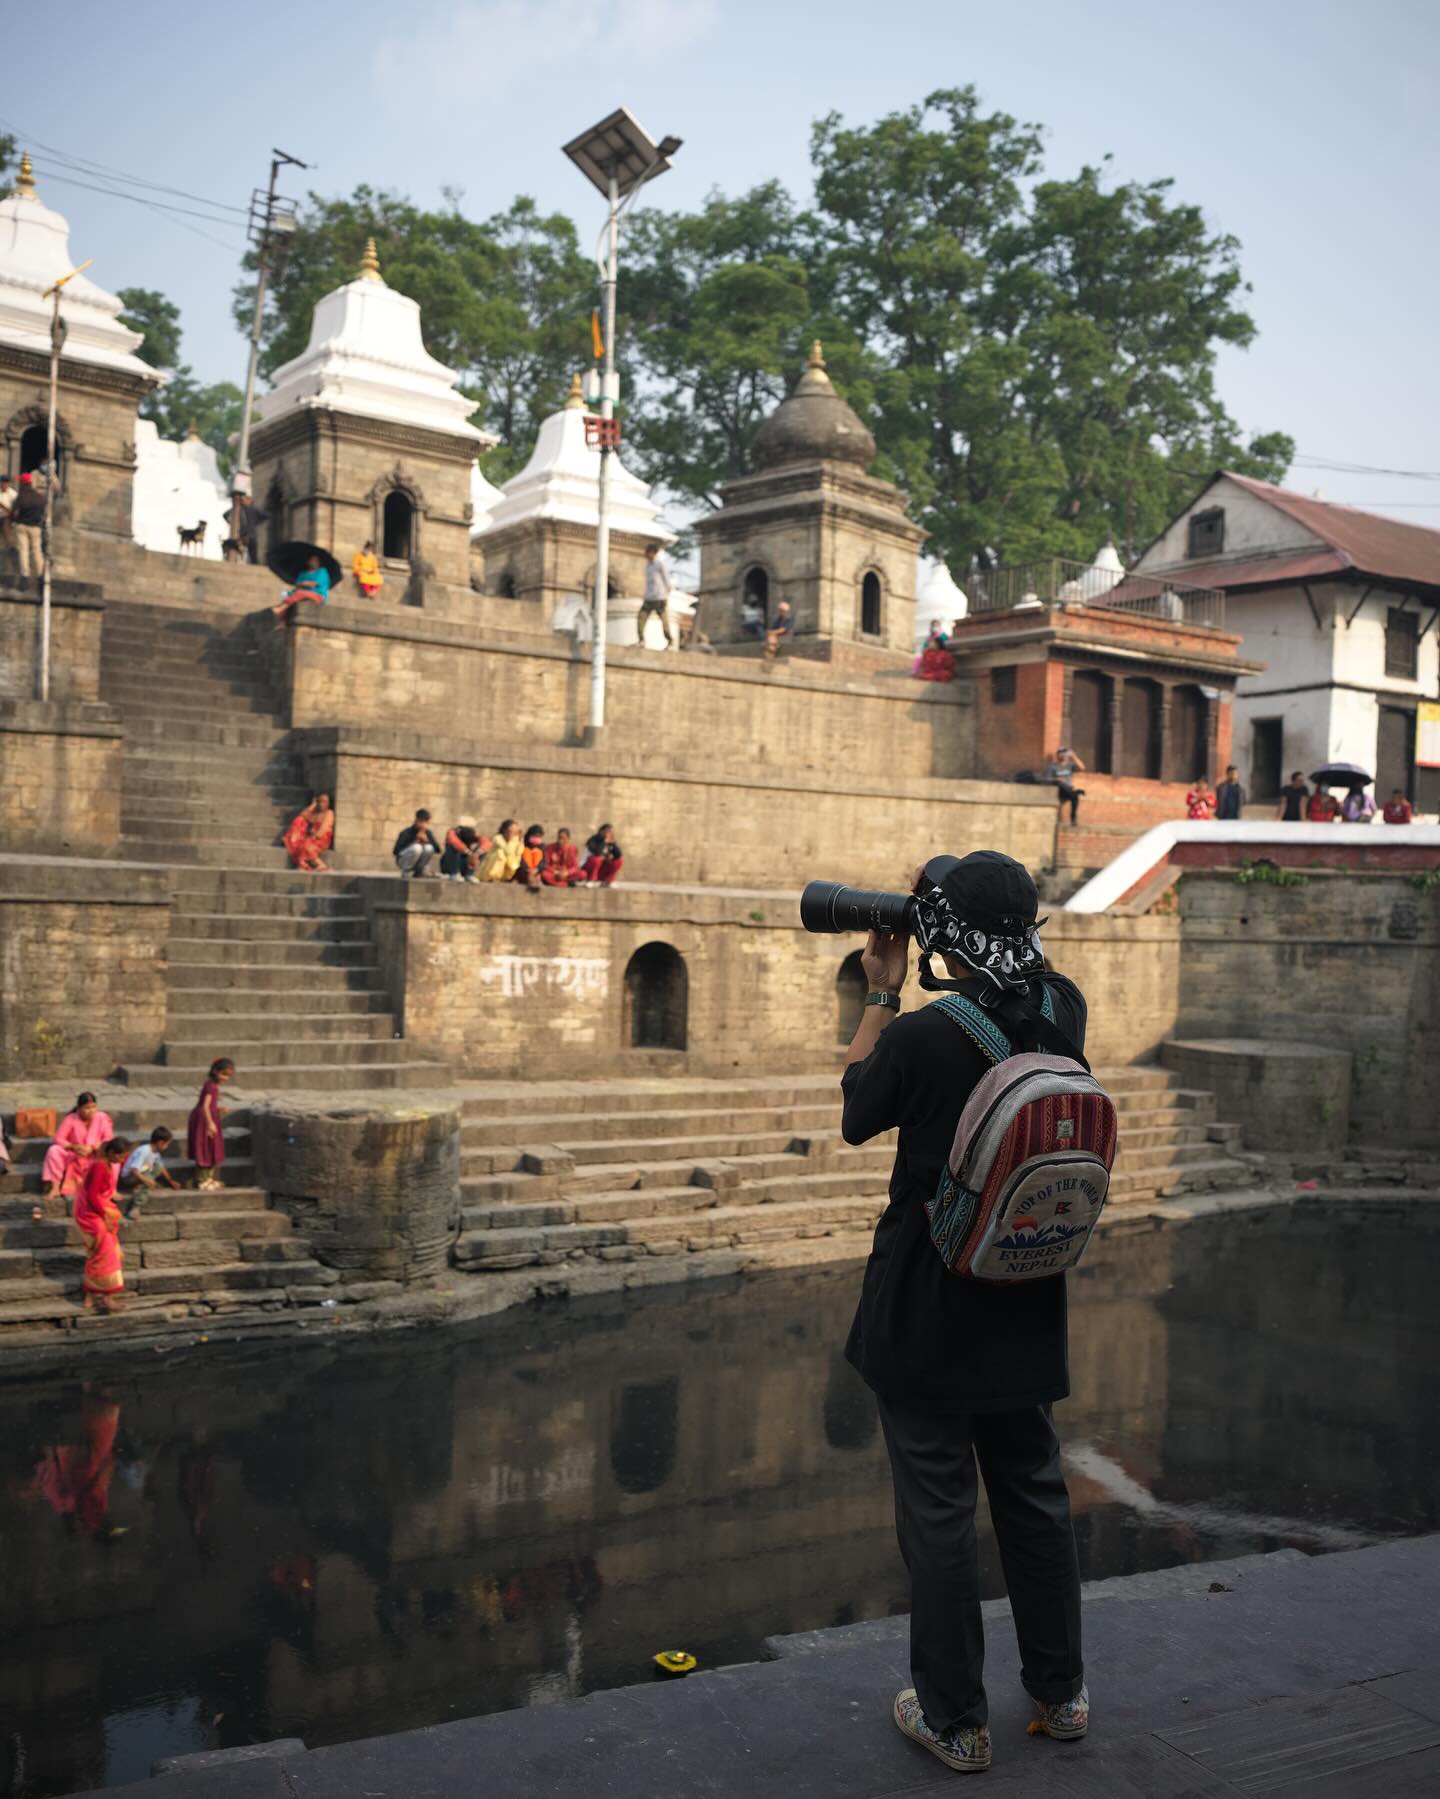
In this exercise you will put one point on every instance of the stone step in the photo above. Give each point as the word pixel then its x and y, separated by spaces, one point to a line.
pixel 29 1152
pixel 334 926
pixel 214 733
pixel 252 1026
pixel 550 1127
pixel 239 809
pixel 154 778
pixel 590 1153
pixel 286 1052
pixel 242 903
pixel 297 978
pixel 309 952
pixel 311 1077
pixel 225 1276
pixel 25 1178
pixel 260 881
pixel 278 1003
pixel 152 842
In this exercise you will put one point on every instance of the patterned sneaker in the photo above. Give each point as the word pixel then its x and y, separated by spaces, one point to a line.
pixel 967 1750
pixel 1066 1721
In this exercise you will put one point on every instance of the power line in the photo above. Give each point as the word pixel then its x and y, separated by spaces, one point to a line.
pixel 1301 460
pixel 87 166
pixel 157 206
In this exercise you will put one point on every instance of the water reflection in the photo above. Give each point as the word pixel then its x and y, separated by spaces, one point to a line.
pixel 326 1545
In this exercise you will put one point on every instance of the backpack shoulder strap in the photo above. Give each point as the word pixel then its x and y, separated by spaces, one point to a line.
pixel 977 1025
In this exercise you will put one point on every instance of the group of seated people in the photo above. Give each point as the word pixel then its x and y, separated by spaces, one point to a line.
pixel 464 853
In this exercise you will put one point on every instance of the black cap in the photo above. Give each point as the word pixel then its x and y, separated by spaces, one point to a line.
pixel 986 887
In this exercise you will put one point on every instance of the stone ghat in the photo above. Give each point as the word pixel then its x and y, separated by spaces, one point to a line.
pixel 562 1172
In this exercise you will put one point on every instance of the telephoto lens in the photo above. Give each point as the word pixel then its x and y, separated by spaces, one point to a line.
pixel 833 908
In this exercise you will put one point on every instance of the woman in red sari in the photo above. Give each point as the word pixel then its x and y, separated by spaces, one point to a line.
pixel 310 834
pixel 75 1482
pixel 205 1133
pixel 97 1218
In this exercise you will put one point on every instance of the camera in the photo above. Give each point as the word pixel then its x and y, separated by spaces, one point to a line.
pixel 831 908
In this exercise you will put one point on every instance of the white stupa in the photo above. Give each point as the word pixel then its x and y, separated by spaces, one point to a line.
pixel 485 496
pixel 562 481
pixel 34 254
pixel 177 484
pixel 1104 572
pixel 366 357
pixel 939 601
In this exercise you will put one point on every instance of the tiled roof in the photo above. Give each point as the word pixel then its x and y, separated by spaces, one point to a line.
pixel 1363 541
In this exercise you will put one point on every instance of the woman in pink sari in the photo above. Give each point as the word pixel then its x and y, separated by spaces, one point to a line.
pixel 310 834
pixel 97 1218
pixel 205 1134
pixel 82 1131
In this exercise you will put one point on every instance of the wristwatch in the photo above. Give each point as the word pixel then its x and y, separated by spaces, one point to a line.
pixel 891 1001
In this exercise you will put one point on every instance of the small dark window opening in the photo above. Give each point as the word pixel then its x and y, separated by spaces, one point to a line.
pixel 398 526
pixel 870 605
pixel 657 997
pixel 850 991
pixel 643 1435
pixel 1207 533
pixel 506 589
pixel 1267 758
pixel 1402 644
pixel 32 448
pixel 757 589
pixel 1002 686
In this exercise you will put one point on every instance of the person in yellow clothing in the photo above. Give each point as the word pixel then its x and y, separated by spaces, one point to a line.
pixel 366 570
pixel 505 853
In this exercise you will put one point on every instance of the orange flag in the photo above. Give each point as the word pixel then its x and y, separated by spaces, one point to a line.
pixel 596 339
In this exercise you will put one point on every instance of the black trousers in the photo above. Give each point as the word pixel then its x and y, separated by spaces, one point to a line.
pixel 933 1459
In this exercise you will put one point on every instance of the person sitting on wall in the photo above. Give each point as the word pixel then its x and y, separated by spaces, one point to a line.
pixel 313 585
pixel 781 627
pixel 1398 810
pixel 464 846
pixel 603 860
pixel 935 662
pixel 505 853
pixel 561 867
pixel 1063 765
pixel 752 617
pixel 415 846
pixel 532 858
pixel 1293 796
pixel 1230 795
pixel 1321 808
pixel 1200 800
pixel 366 570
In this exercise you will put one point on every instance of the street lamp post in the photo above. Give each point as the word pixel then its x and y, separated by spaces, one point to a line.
pixel 57 339
pixel 618 157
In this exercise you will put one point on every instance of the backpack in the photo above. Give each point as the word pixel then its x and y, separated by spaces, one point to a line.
pixel 1029 1170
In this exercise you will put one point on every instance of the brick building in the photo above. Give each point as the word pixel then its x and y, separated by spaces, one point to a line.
pixel 1338 607
pixel 102 380
pixel 365 436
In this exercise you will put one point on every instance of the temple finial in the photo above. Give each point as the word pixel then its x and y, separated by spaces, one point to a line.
pixel 25 181
pixel 816 359
pixel 575 400
pixel 370 264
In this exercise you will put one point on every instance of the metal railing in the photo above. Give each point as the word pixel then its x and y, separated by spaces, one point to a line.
pixel 1058 581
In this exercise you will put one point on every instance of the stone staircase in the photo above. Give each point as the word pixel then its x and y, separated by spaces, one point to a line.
pixel 186 1253
pixel 278 972
pixel 624 1169
pixel 209 774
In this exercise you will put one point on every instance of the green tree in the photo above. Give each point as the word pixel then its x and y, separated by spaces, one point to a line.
pixel 213 411
pixel 505 302
pixel 7 159
pixel 1050 346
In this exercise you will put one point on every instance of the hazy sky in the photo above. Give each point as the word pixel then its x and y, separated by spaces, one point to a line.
pixel 1309 130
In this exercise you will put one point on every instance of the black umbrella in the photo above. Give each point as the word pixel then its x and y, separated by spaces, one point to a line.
pixel 289 560
pixel 1341 774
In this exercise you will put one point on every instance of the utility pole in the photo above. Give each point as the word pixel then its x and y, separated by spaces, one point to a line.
pixel 57 339
pixel 266 226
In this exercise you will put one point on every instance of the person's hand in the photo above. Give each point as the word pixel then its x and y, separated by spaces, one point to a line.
pixel 886 961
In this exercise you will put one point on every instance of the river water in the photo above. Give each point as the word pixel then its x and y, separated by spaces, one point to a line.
pixel 339 1542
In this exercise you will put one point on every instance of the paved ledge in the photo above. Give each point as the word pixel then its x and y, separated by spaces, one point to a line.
pixel 1271 1674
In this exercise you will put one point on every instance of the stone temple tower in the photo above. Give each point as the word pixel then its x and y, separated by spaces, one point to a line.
pixel 812 527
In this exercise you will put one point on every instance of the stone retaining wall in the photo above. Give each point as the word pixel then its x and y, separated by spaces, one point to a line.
pixel 675 823
pixel 61 765
pixel 82 966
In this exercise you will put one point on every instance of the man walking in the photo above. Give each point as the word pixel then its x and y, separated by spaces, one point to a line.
pixel 1230 795
pixel 29 517
pixel 965 1372
pixel 657 595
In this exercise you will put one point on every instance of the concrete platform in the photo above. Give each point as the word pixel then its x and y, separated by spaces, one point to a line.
pixel 1277 1674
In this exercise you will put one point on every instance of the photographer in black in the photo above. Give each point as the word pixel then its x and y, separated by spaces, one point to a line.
pixel 964 1371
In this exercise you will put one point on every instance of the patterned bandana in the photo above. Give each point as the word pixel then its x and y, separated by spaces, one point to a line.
pixel 981 910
